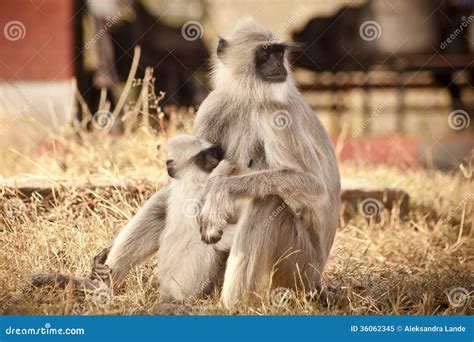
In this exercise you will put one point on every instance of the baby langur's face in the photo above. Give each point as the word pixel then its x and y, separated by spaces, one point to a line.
pixel 189 156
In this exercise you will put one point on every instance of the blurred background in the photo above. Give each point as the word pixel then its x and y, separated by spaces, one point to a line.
pixel 391 80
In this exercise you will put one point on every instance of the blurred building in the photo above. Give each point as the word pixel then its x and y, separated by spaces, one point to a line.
pixel 36 59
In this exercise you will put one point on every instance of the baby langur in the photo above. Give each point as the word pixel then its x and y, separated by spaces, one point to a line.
pixel 188 267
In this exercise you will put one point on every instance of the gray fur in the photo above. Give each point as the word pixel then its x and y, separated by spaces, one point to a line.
pixel 291 184
pixel 187 268
pixel 139 239
pixel 299 162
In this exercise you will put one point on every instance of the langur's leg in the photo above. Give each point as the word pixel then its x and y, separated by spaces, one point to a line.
pixel 191 275
pixel 270 250
pixel 139 239
pixel 188 268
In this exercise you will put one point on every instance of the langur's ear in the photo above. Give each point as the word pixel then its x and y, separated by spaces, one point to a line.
pixel 292 49
pixel 294 46
pixel 221 46
pixel 209 158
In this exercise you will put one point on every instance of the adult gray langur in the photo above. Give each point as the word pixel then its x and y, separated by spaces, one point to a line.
pixel 290 182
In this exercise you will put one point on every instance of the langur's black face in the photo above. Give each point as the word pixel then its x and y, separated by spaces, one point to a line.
pixel 269 63
pixel 206 160
pixel 209 158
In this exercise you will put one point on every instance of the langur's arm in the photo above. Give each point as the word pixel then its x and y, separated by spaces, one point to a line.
pixel 297 188
pixel 223 169
pixel 139 239
pixel 286 183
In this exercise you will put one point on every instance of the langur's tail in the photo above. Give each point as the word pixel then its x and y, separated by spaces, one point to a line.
pixel 61 281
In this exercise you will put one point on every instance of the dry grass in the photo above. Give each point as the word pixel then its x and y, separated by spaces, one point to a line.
pixel 385 266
